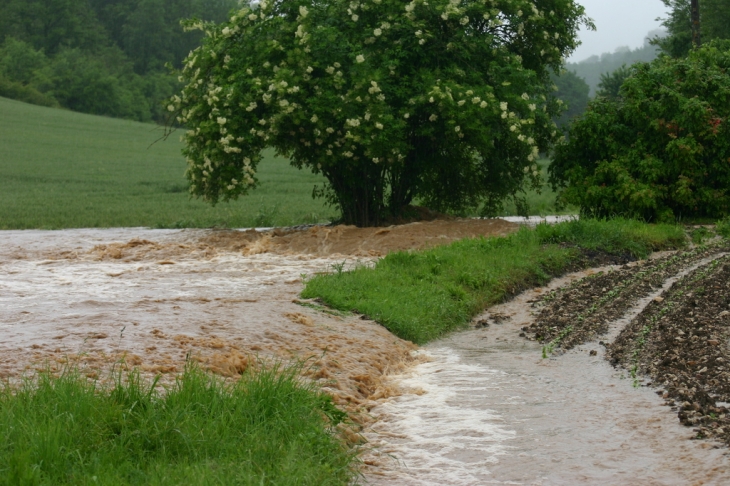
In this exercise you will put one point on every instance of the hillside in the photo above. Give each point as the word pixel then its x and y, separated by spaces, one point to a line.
pixel 592 68
pixel 61 169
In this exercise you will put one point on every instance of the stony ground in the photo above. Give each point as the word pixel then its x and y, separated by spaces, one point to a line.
pixel 665 321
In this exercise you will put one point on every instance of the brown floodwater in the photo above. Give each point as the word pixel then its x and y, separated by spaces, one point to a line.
pixel 488 409
pixel 480 407
pixel 155 299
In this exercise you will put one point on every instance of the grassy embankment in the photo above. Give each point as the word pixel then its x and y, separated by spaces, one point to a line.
pixel 420 296
pixel 266 429
pixel 60 169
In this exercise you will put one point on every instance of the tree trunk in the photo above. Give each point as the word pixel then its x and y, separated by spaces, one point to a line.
pixel 695 16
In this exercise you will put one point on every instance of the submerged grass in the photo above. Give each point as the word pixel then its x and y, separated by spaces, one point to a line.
pixel 268 428
pixel 420 296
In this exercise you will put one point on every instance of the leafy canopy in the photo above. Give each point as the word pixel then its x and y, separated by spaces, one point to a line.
pixel 714 24
pixel 447 102
pixel 659 151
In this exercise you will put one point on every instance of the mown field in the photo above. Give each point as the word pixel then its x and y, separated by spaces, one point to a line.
pixel 60 169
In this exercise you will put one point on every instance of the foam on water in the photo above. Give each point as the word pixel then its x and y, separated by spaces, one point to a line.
pixel 446 406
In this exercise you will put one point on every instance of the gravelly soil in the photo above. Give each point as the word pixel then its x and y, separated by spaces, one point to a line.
pixel 677 339
pixel 582 311
pixel 680 341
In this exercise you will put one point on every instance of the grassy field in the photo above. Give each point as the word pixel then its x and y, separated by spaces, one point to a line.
pixel 60 169
pixel 268 428
pixel 542 204
pixel 422 295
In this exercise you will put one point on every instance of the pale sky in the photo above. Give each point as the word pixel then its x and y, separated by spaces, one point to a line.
pixel 618 23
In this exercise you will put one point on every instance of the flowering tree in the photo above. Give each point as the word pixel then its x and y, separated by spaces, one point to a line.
pixel 444 101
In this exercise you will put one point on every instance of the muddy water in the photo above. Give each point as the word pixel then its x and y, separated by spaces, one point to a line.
pixel 154 299
pixel 488 409
pixel 485 408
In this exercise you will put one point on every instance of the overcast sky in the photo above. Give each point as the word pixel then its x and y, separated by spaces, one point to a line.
pixel 618 23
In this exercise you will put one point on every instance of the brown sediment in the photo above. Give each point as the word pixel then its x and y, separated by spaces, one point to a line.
pixel 320 241
pixel 362 242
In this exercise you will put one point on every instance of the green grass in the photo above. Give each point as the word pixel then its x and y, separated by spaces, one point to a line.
pixel 60 169
pixel 266 429
pixel 422 295
pixel 723 227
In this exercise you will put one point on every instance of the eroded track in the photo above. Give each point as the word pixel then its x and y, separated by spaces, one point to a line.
pixel 490 409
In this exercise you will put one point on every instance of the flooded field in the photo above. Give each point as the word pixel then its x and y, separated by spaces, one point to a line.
pixel 480 407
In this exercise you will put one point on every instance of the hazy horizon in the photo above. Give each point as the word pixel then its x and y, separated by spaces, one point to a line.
pixel 618 23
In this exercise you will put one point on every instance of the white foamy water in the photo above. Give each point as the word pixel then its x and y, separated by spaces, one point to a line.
pixel 452 406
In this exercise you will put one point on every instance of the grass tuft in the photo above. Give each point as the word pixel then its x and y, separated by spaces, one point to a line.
pixel 723 227
pixel 267 428
pixel 422 295
pixel 615 236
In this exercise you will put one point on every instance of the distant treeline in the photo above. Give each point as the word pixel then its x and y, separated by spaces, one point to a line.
pixel 105 57
pixel 603 75
pixel 592 68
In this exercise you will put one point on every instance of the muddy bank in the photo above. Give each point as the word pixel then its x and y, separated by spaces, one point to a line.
pixel 322 241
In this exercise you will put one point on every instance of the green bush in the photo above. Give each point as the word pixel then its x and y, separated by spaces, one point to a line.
pixel 100 83
pixel 28 94
pixel 659 152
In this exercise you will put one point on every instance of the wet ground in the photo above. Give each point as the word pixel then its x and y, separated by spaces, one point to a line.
pixel 481 407
pixel 489 409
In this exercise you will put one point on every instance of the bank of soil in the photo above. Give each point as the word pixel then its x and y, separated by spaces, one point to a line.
pixel 665 321
pixel 153 299
pixel 680 342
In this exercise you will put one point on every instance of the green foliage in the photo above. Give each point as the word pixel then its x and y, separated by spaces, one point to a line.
pixel 723 227
pixel 715 24
pixel 28 94
pixel 662 151
pixel 20 62
pixel 699 235
pixel 60 169
pixel 422 295
pixel 442 102
pixel 610 84
pixel 98 56
pixel 267 428
pixel 616 236
pixel 50 25
pixel 573 91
